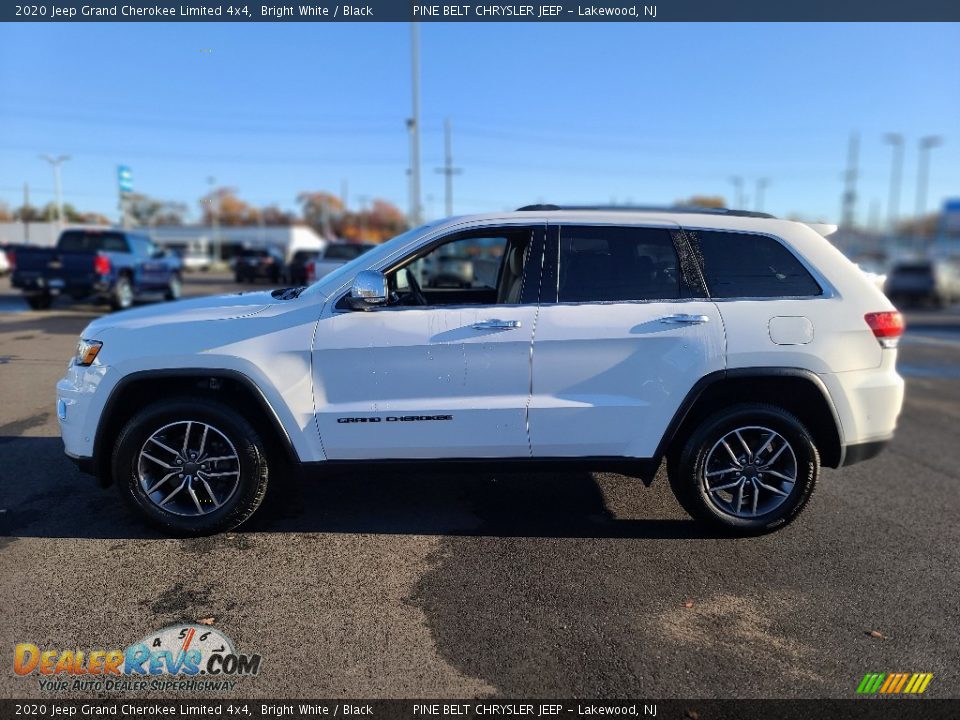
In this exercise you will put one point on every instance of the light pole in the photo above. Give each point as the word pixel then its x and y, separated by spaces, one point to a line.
pixel 215 218
pixel 56 162
pixel 923 170
pixel 737 182
pixel 762 184
pixel 896 173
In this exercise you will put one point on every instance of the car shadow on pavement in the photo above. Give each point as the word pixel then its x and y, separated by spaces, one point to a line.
pixel 43 495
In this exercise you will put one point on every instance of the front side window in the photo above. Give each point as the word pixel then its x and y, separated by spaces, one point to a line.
pixel 617 264
pixel 474 268
pixel 747 265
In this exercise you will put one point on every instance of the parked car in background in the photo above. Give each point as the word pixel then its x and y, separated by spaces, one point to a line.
pixel 297 272
pixel 930 282
pixel 114 266
pixel 335 255
pixel 195 260
pixel 251 265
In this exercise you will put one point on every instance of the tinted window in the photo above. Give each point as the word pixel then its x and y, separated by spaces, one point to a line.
pixel 616 264
pixel 86 241
pixel 746 265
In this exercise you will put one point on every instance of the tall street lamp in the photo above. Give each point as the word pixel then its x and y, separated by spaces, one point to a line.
pixel 56 162
pixel 896 175
pixel 923 174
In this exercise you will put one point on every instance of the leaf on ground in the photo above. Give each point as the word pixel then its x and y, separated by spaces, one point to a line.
pixel 877 634
pixel 693 715
pixel 206 621
pixel 688 603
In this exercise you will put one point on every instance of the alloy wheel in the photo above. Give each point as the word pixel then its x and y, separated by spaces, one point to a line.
pixel 188 468
pixel 749 471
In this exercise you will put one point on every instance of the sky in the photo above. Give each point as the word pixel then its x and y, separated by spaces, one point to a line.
pixel 641 113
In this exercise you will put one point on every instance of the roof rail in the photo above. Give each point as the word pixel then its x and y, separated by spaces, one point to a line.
pixel 543 207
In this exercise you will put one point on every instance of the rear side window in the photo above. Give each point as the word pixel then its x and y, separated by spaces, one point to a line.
pixel 746 265
pixel 611 264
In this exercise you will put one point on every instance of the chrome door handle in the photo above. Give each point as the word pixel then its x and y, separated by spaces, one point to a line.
pixel 685 319
pixel 496 324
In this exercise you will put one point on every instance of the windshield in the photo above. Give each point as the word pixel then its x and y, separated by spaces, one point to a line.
pixel 367 260
pixel 344 252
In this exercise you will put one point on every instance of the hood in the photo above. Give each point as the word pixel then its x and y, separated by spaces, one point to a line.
pixel 216 307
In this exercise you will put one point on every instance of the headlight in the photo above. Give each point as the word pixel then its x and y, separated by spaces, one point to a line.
pixel 87 351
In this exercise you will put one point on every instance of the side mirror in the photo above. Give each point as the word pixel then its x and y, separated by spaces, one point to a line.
pixel 369 290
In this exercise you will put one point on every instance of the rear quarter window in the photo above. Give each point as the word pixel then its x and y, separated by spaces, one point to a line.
pixel 743 265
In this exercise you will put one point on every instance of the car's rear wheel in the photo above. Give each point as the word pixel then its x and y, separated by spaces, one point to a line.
pixel 191 466
pixel 122 296
pixel 747 470
pixel 40 301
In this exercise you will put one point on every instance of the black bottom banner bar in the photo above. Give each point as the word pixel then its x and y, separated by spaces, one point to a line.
pixel 231 709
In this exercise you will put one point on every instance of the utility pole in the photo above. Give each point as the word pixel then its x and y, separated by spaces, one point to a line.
pixel 56 162
pixel 762 184
pixel 413 125
pixel 849 201
pixel 896 175
pixel 737 182
pixel 448 170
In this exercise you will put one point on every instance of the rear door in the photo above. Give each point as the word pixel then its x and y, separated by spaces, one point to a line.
pixel 622 335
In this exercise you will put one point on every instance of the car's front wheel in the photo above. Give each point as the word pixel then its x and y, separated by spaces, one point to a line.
pixel 748 469
pixel 174 288
pixel 191 466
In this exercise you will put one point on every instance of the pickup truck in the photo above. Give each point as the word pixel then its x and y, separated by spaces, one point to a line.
pixel 114 266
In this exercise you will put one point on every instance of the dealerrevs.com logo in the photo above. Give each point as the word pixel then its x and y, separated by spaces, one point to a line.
pixel 179 657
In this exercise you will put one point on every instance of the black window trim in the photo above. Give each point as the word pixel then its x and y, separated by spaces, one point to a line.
pixel 551 271
pixel 827 290
pixel 537 245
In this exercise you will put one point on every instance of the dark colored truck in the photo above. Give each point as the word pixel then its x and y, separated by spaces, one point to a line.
pixel 111 266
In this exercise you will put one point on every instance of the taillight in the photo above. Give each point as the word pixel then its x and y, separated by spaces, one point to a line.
pixel 311 269
pixel 12 259
pixel 101 265
pixel 887 327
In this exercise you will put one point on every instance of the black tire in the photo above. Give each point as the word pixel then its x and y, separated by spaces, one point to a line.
pixel 250 489
pixel 687 470
pixel 121 297
pixel 174 288
pixel 39 302
pixel 238 278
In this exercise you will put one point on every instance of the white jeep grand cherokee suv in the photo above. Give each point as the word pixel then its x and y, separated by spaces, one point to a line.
pixel 744 350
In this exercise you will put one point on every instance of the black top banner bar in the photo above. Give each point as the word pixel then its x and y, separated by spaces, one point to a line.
pixel 542 12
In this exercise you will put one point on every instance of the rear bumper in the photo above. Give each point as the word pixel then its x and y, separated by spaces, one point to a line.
pixel 30 284
pixel 852 454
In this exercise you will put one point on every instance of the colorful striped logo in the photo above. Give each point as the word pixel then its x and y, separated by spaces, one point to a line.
pixel 894 683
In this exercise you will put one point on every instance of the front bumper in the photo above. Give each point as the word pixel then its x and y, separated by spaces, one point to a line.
pixel 79 407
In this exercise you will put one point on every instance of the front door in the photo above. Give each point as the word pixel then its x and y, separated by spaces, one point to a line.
pixel 443 371
pixel 620 343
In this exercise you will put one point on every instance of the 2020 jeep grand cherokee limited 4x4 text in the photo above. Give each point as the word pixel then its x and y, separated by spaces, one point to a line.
pixel 746 351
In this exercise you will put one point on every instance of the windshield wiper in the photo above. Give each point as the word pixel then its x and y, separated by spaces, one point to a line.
pixel 288 293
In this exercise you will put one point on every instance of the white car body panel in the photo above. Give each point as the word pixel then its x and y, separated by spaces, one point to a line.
pixel 573 380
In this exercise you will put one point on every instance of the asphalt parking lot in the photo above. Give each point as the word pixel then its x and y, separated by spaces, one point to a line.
pixel 547 585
